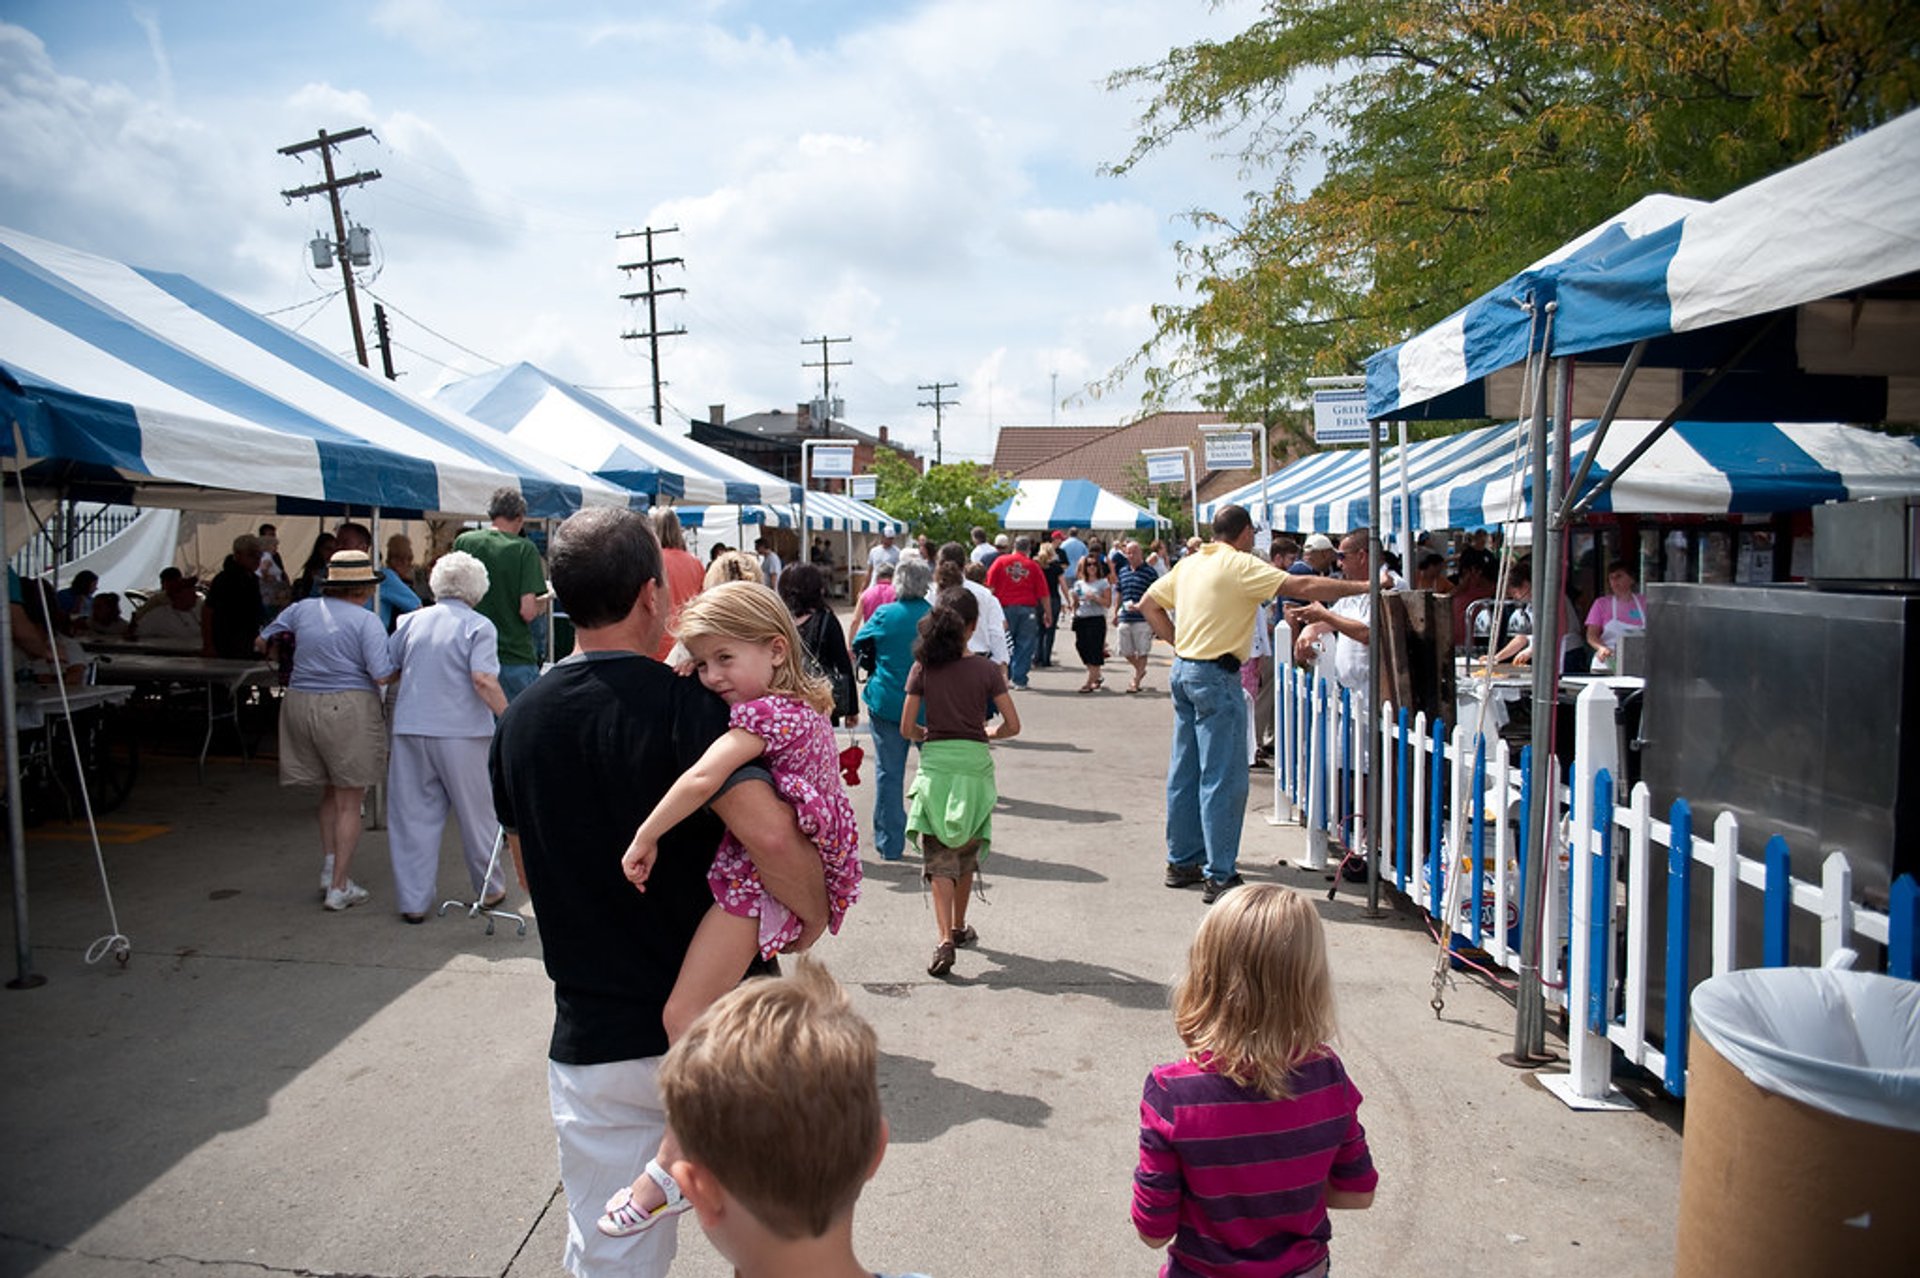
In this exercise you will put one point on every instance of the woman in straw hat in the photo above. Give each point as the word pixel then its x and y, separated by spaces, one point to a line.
pixel 332 731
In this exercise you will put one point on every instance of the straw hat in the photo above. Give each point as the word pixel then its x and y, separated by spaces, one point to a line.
pixel 351 568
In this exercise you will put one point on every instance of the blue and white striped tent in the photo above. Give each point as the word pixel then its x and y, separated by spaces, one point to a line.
pixel 139 385
pixel 833 512
pixel 1481 478
pixel 533 406
pixel 1809 265
pixel 1046 504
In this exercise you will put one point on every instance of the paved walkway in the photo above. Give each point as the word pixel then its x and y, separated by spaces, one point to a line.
pixel 268 1088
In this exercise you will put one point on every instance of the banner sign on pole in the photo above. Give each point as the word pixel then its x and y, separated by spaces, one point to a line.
pixel 833 463
pixel 865 487
pixel 1229 450
pixel 1166 468
pixel 1340 417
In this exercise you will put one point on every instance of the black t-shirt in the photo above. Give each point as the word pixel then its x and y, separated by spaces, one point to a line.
pixel 238 613
pixel 578 762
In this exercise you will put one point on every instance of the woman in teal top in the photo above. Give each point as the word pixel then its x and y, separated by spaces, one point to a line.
pixel 891 633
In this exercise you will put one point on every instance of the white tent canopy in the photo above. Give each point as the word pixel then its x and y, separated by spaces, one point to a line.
pixel 1046 504
pixel 130 384
pixel 531 405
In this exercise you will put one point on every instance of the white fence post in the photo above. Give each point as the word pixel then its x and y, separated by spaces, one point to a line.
pixel 1589 1077
pixel 1836 906
pixel 1726 889
pixel 1319 787
pixel 1417 854
pixel 1384 757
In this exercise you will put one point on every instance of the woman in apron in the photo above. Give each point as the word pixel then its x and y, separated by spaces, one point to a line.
pixel 1622 610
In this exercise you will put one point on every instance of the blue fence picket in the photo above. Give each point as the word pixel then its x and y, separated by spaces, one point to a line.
pixel 1679 920
pixel 1600 904
pixel 1344 790
pixel 1436 808
pixel 1526 814
pixel 1776 904
pixel 1479 800
pixel 1403 799
pixel 1324 755
pixel 1903 925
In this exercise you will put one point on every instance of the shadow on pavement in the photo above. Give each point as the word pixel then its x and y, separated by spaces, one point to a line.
pixel 1006 865
pixel 1069 976
pixel 1034 810
pixel 922 1105
pixel 1047 747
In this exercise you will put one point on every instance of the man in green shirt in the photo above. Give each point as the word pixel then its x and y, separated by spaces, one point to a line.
pixel 515 582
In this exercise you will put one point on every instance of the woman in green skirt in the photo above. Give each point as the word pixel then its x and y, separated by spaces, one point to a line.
pixel 950 807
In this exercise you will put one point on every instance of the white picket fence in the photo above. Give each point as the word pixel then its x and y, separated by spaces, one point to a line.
pixel 1451 828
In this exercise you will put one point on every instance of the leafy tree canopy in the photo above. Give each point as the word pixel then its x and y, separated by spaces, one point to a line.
pixel 1408 157
pixel 946 502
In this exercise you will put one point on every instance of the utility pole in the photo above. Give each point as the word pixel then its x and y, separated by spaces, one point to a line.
pixel 652 292
pixel 385 340
pixel 324 142
pixel 825 364
pixel 937 405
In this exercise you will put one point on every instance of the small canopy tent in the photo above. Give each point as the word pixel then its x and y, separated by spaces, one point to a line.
pixel 1699 468
pixel 137 385
pixel 529 404
pixel 1047 504
pixel 833 512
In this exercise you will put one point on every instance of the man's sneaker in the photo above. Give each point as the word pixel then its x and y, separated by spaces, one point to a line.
pixel 351 894
pixel 1179 876
pixel 326 877
pixel 1217 888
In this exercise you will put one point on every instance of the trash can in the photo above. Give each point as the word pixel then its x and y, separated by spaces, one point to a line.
pixel 1803 1125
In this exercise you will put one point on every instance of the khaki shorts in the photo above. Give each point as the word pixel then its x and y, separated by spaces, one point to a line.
pixel 1136 639
pixel 943 862
pixel 332 738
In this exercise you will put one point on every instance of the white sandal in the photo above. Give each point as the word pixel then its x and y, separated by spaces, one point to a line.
pixel 624 1217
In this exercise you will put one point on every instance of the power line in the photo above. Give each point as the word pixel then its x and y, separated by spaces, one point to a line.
pixel 331 188
pixel 652 293
pixel 311 301
pixel 826 363
pixel 442 336
pixel 938 406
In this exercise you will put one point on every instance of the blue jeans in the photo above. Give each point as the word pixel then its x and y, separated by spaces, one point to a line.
pixel 516 679
pixel 889 787
pixel 1023 635
pixel 1207 777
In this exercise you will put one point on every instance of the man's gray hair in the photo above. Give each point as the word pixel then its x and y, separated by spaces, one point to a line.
pixel 911 578
pixel 507 503
pixel 458 575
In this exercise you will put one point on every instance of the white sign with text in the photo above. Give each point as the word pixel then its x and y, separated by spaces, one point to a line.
pixel 1230 450
pixel 864 487
pixel 1166 468
pixel 832 463
pixel 1340 417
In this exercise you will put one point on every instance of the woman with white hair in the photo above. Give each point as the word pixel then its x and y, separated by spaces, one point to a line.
pixel 443 712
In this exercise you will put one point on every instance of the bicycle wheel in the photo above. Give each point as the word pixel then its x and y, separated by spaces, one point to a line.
pixel 112 755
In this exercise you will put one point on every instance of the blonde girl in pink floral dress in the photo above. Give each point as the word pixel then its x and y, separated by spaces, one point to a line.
pixel 745 649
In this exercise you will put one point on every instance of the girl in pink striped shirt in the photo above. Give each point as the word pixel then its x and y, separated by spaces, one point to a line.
pixel 1247 1141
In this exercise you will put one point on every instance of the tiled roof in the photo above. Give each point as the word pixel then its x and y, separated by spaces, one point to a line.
pixel 1019 447
pixel 1107 458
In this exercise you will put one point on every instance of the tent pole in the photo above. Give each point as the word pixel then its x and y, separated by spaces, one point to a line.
pixel 1407 521
pixel 1530 1017
pixel 1376 629
pixel 1605 424
pixel 25 978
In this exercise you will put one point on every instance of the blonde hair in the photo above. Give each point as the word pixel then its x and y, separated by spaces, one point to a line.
pixel 1257 999
pixel 775 1090
pixel 749 612
pixel 735 565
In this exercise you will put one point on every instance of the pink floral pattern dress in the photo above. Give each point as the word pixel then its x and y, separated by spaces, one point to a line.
pixel 805 762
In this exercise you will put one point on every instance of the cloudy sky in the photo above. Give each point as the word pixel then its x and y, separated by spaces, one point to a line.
pixel 920 177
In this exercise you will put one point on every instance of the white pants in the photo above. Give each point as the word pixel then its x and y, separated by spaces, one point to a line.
pixel 425 777
pixel 609 1122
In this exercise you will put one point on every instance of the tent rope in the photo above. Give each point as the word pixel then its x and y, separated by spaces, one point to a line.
pixel 115 942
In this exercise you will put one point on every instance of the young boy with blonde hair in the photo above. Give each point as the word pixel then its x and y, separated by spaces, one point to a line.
pixel 774 1095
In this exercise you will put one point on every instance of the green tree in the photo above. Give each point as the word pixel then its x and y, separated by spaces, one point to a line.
pixel 946 502
pixel 1407 157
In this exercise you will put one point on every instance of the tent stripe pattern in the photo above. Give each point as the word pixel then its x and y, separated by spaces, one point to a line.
pixel 529 404
pixel 1470 480
pixel 828 512
pixel 1047 504
pixel 138 385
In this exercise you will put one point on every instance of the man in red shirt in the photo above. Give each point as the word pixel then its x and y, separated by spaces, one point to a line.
pixel 1021 587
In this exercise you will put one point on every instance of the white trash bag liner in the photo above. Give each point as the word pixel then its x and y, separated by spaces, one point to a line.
pixel 1844 1042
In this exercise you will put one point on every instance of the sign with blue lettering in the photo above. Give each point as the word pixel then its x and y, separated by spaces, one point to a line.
pixel 865 487
pixel 1166 468
pixel 1230 450
pixel 1340 417
pixel 832 463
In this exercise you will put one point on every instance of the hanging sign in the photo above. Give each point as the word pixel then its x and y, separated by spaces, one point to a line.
pixel 1340 417
pixel 864 487
pixel 832 463
pixel 1229 450
pixel 1166 468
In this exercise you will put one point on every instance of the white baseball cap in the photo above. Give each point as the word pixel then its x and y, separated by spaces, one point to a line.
pixel 1319 541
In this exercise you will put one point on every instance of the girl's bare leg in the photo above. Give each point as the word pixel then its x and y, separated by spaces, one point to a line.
pixel 962 890
pixel 943 899
pixel 723 946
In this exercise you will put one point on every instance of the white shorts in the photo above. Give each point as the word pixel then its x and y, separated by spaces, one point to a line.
pixel 1136 639
pixel 609 1121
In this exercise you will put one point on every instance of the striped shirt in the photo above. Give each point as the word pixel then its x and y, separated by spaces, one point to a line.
pixel 1133 583
pixel 1238 1180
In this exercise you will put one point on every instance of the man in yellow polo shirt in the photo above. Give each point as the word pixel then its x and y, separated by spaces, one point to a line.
pixel 1213 597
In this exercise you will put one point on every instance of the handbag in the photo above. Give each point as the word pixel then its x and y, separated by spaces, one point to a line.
pixel 839 680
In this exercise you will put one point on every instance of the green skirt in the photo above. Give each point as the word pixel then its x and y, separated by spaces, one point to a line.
pixel 952 795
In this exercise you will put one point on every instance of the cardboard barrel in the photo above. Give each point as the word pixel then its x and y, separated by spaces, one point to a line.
pixel 1802 1127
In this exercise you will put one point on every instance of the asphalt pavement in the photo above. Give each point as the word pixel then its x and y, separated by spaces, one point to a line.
pixel 267 1088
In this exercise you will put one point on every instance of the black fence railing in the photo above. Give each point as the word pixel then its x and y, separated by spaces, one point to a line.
pixel 69 533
